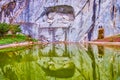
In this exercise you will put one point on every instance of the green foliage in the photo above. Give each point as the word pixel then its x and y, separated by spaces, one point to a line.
pixel 4 28
pixel 14 29
pixel 8 39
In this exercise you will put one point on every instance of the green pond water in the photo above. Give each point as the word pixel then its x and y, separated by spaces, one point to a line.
pixel 60 62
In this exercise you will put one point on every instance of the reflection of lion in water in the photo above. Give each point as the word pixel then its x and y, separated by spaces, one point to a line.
pixel 58 67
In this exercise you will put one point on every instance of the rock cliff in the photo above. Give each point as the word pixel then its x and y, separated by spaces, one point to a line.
pixel 63 20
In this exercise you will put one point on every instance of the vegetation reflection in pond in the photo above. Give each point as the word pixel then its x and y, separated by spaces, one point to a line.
pixel 60 62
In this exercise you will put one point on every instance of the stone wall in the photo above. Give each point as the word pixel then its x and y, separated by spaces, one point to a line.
pixel 89 15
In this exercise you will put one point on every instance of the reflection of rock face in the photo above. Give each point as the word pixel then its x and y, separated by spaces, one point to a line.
pixel 57 62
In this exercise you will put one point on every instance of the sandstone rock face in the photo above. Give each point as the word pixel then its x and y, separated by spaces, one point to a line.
pixel 63 20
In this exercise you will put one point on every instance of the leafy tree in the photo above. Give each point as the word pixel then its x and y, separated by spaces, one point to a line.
pixel 4 28
pixel 14 29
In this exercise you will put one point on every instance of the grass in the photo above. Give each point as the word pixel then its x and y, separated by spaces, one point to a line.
pixel 8 39
pixel 12 49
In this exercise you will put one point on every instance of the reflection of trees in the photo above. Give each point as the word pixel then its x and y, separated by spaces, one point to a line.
pixel 10 61
pixel 6 62
pixel 22 71
pixel 18 65
pixel 118 66
pixel 81 68
pixel 107 69
pixel 113 68
pixel 9 73
pixel 9 58
pixel 92 57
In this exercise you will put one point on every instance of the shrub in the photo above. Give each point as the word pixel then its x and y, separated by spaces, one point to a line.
pixel 4 28
pixel 14 29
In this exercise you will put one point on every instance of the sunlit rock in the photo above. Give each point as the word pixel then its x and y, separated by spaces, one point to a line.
pixel 80 17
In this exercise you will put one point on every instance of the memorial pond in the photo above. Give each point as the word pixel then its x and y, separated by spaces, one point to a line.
pixel 60 62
